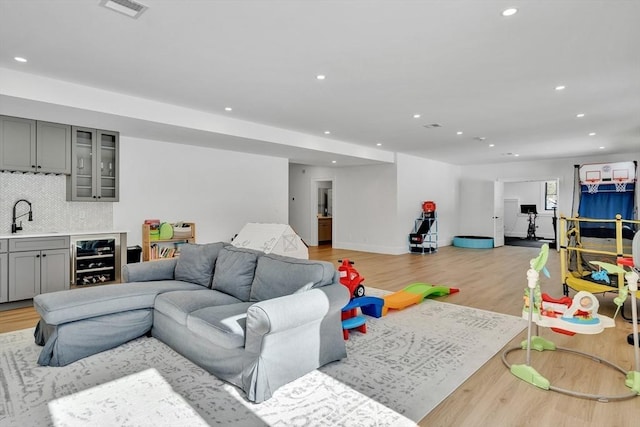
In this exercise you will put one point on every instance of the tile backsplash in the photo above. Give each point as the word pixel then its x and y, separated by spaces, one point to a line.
pixel 51 211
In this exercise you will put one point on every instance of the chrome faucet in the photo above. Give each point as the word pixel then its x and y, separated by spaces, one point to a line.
pixel 15 227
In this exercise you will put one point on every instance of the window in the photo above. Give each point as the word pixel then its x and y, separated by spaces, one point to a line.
pixel 550 195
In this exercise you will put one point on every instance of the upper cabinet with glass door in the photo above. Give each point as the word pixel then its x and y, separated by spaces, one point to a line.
pixel 95 166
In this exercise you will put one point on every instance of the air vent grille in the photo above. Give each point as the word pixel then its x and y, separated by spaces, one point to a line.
pixel 433 126
pixel 130 8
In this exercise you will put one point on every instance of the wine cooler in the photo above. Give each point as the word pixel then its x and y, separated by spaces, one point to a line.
pixel 96 259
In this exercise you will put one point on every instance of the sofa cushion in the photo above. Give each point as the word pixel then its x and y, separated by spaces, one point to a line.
pixel 278 275
pixel 77 304
pixel 223 325
pixel 161 269
pixel 196 262
pixel 234 271
pixel 178 305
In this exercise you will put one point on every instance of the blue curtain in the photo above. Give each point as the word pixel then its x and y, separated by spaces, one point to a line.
pixel 605 204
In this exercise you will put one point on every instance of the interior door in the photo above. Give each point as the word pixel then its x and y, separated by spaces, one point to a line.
pixel 498 214
pixel 482 210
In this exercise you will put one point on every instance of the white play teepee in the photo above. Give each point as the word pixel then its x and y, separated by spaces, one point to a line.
pixel 277 239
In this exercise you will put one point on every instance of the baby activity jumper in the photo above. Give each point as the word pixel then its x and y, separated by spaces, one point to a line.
pixel 570 316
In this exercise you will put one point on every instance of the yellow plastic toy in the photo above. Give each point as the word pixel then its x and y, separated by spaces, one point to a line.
pixel 414 294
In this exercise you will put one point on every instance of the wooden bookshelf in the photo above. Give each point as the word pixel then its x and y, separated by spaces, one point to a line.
pixel 155 249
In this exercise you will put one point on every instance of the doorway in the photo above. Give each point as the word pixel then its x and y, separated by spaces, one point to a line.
pixel 323 211
pixel 542 194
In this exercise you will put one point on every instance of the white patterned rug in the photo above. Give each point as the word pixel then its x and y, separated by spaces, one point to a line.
pixel 402 368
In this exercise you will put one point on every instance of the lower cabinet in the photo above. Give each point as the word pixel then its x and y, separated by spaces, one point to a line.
pixel 4 285
pixel 325 229
pixel 37 271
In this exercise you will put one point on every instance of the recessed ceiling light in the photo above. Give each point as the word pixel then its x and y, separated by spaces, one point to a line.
pixel 517 155
pixel 492 145
pixel 509 12
pixel 579 115
pixel 592 134
pixel 334 161
pixel 602 148
pixel 416 116
pixel 459 132
pixel 321 77
pixel 379 144
pixel 20 59
pixel 228 109
pixel 561 87
pixel 327 132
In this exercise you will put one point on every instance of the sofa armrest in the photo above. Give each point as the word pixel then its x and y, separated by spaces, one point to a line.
pixel 149 271
pixel 292 311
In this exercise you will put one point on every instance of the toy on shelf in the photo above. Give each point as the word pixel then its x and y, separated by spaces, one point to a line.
pixel 414 294
pixel 577 315
pixel 350 278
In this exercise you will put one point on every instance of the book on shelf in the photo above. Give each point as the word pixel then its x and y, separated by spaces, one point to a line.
pixel 158 252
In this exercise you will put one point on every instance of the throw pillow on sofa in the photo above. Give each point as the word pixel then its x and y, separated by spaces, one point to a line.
pixel 196 263
pixel 277 276
pixel 234 271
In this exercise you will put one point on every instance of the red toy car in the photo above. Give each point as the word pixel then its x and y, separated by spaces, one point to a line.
pixel 350 278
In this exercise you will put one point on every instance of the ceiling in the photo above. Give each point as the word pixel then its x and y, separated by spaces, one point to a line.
pixel 459 64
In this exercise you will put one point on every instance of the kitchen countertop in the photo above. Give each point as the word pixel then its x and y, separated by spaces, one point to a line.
pixel 22 235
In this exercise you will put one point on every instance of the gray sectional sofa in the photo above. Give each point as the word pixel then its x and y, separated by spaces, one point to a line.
pixel 255 320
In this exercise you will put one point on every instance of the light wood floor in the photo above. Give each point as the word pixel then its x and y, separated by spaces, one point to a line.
pixel 494 279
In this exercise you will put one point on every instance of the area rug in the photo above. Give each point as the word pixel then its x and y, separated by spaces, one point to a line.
pixel 395 374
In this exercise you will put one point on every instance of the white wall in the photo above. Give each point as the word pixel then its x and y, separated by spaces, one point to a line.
pixel 218 190
pixel 422 179
pixel 375 206
pixel 563 169
pixel 364 205
pixel 365 209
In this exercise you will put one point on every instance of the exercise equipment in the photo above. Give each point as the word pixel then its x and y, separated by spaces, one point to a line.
pixel 532 211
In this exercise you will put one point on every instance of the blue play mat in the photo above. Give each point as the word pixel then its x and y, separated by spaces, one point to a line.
pixel 473 242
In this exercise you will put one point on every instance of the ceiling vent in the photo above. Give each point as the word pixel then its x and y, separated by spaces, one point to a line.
pixel 130 8
pixel 433 126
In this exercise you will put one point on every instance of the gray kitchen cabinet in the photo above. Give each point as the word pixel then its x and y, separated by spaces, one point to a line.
pixel 37 265
pixel 24 275
pixel 4 275
pixel 34 146
pixel 17 144
pixel 53 147
pixel 54 270
pixel 94 165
